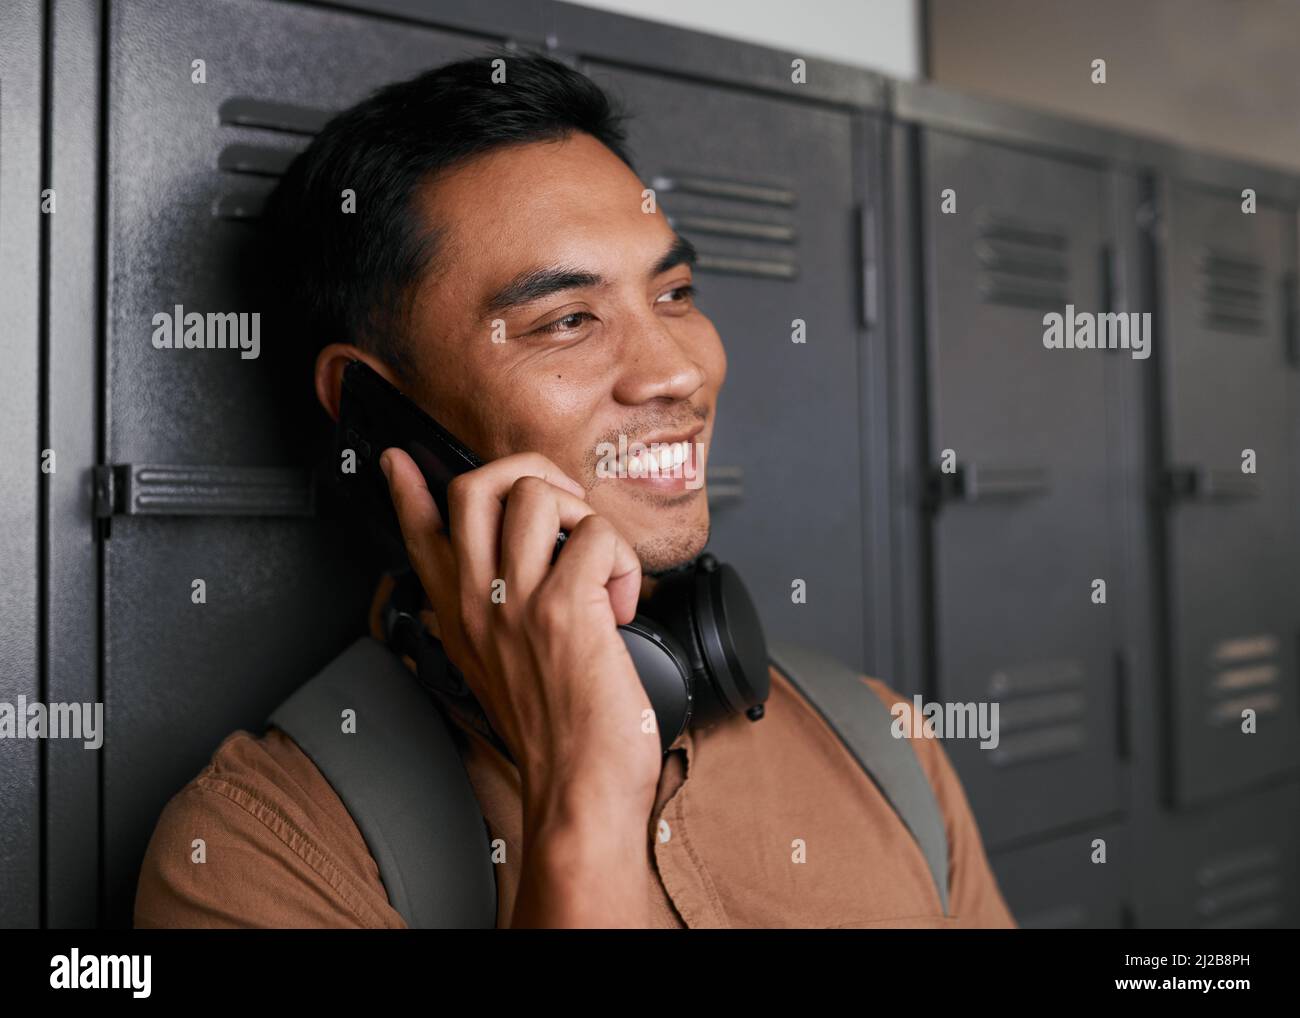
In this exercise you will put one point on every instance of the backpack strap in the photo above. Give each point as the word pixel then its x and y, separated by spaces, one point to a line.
pixel 863 723
pixel 401 777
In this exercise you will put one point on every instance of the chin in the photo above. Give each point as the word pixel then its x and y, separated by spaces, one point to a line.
pixel 671 548
pixel 665 531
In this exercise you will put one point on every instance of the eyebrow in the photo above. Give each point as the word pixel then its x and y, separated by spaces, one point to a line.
pixel 538 283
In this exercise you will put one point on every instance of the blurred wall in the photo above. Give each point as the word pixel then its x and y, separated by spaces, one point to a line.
pixel 880 34
pixel 1219 75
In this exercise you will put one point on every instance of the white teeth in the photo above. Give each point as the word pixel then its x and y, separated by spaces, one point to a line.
pixel 671 455
pixel 658 458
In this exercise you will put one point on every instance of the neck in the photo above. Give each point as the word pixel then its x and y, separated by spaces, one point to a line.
pixel 648 584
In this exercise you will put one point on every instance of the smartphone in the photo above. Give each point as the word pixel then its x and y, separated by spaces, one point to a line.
pixel 374 416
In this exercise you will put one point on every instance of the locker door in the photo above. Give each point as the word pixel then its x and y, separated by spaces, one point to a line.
pixel 1230 377
pixel 1231 866
pixel 1057 885
pixel 193 433
pixel 20 454
pixel 776 230
pixel 1020 530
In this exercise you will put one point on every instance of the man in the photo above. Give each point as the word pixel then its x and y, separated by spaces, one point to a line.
pixel 499 265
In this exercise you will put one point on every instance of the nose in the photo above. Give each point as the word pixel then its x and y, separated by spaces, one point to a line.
pixel 658 365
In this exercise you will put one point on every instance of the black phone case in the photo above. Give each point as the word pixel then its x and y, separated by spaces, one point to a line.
pixel 374 416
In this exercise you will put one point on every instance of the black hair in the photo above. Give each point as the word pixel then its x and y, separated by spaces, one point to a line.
pixel 350 277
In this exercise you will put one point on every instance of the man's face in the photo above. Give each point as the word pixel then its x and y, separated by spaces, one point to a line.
pixel 513 357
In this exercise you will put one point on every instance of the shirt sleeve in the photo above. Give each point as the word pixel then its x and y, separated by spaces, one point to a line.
pixel 975 899
pixel 260 839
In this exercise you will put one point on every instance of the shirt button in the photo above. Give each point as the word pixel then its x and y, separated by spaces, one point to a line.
pixel 664 831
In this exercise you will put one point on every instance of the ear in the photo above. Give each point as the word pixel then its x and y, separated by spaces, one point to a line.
pixel 330 363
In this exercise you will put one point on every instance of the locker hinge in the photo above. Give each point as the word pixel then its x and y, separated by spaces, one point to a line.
pixel 869 269
pixel 103 495
pixel 105 492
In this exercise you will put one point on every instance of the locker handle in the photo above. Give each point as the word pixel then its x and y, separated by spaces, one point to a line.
pixel 126 489
pixel 725 484
pixel 154 490
pixel 971 482
pixel 1205 484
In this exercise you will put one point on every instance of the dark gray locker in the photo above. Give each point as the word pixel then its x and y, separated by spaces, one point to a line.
pixel 20 453
pixel 1230 865
pixel 1229 377
pixel 1020 530
pixel 1057 885
pixel 188 167
pixel 776 228
pixel 73 399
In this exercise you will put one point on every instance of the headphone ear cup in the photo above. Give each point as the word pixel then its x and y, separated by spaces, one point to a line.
pixel 662 666
pixel 709 612
pixel 732 643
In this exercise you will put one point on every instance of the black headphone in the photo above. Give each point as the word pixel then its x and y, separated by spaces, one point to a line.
pixel 697 645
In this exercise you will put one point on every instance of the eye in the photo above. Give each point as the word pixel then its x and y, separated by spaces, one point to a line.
pixel 574 320
pixel 687 293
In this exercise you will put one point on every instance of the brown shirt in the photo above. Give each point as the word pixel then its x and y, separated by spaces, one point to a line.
pixel 756 824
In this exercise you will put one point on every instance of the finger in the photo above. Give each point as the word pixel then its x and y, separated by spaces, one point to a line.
pixel 476 507
pixel 535 512
pixel 427 545
pixel 597 554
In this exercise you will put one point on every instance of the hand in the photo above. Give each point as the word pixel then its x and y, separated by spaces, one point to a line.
pixel 543 656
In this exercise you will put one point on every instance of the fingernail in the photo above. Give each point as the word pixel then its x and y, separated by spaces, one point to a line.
pixel 385 465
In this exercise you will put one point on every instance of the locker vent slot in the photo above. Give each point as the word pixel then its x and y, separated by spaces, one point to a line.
pixel 1022 263
pixel 1241 889
pixel 245 111
pixel 739 227
pixel 1042 711
pixel 257 160
pixel 1244 673
pixel 1232 293
pixel 250 169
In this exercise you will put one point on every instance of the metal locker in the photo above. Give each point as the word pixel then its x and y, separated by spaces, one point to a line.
pixel 1231 865
pixel 1229 375
pixel 200 482
pixel 1060 884
pixel 777 229
pixel 1020 526
pixel 20 454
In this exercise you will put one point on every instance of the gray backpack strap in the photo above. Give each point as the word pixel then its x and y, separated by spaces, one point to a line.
pixel 863 722
pixel 401 777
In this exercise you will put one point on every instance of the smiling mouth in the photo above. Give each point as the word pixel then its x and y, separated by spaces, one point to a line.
pixel 661 459
pixel 664 465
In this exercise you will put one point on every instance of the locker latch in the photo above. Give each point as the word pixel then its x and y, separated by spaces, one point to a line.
pixel 1199 483
pixel 969 482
